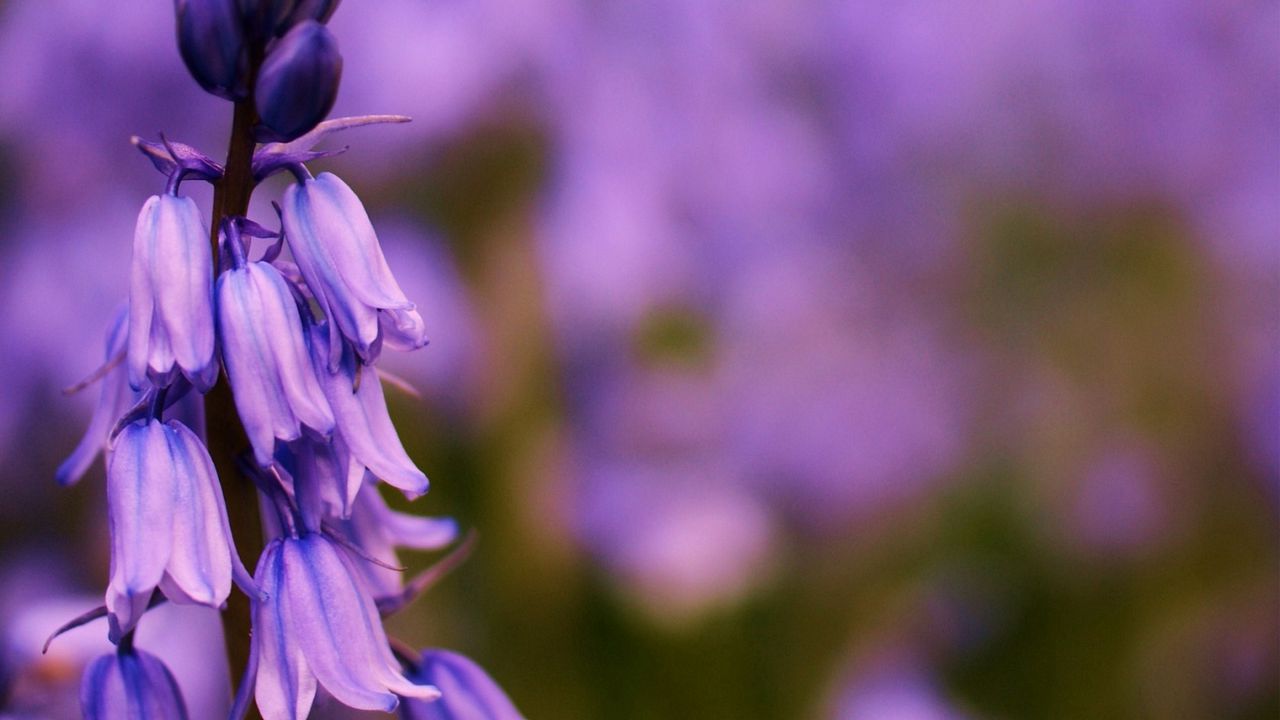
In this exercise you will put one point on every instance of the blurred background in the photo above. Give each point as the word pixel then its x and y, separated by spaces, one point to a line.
pixel 834 359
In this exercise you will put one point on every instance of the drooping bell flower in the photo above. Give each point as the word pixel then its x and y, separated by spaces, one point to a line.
pixel 129 684
pixel 466 691
pixel 171 296
pixel 113 399
pixel 213 45
pixel 298 82
pixel 168 523
pixel 361 417
pixel 316 624
pixel 265 353
pixel 378 531
pixel 338 253
pixel 321 476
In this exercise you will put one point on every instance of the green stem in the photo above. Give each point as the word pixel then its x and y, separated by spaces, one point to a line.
pixel 226 437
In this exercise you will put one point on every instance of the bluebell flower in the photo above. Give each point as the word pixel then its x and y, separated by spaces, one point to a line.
pixel 170 296
pixel 338 253
pixel 265 353
pixel 113 399
pixel 130 685
pixel 168 523
pixel 298 82
pixel 377 530
pixel 466 691
pixel 321 476
pixel 318 625
pixel 361 417
pixel 212 42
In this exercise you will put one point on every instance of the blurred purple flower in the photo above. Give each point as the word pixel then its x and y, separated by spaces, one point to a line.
pixel 893 688
pixel 1119 507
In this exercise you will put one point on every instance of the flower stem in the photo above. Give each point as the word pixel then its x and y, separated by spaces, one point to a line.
pixel 226 437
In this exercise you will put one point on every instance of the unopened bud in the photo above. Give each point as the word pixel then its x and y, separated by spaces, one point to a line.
pixel 298 82
pixel 212 43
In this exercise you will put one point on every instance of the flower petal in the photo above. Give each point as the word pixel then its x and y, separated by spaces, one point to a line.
pixel 140 500
pixel 201 559
pixel 327 614
pixel 285 685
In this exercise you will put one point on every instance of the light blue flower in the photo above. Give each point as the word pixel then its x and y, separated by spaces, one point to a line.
pixel 318 625
pixel 265 353
pixel 114 398
pixel 360 413
pixel 168 523
pixel 339 256
pixel 171 296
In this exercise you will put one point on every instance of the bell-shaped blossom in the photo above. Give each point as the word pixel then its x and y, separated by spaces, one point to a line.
pixel 113 399
pixel 213 45
pixel 466 691
pixel 377 530
pixel 298 82
pixel 130 684
pixel 168 522
pixel 321 476
pixel 338 253
pixel 360 412
pixel 171 296
pixel 264 350
pixel 316 624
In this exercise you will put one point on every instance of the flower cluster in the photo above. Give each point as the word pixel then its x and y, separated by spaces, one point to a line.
pixel 297 326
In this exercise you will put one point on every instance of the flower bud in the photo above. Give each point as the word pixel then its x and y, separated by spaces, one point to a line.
pixel 265 18
pixel 318 10
pixel 130 684
pixel 212 43
pixel 298 82
pixel 466 691
pixel 171 296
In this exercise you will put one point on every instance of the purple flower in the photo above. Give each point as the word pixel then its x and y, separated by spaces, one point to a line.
pixel 298 81
pixel 317 624
pixel 114 398
pixel 265 352
pixel 466 691
pixel 338 253
pixel 170 296
pixel 168 523
pixel 377 531
pixel 360 413
pixel 129 684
